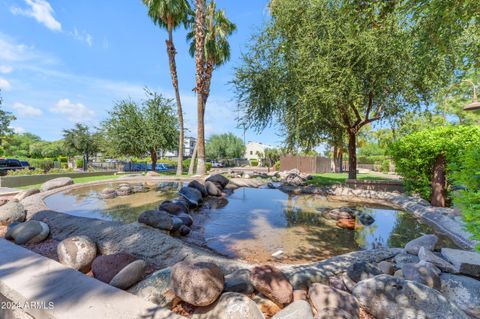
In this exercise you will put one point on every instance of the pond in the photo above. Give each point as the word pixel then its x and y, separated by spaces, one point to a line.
pixel 257 223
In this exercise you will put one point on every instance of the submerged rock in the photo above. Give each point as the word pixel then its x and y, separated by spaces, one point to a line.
pixel 56 183
pixel 108 193
pixel 346 223
pixel 212 189
pixel 339 213
pixel 427 241
pixel 273 283
pixel 231 305
pixel 173 207
pixel 77 252
pixel 11 212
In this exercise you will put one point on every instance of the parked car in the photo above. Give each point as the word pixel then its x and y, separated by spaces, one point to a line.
pixel 26 164
pixel 9 164
pixel 216 164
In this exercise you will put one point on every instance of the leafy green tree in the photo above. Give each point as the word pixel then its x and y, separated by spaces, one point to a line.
pixel 80 141
pixel 269 156
pixel 18 145
pixel 225 146
pixel 170 14
pixel 134 130
pixel 6 118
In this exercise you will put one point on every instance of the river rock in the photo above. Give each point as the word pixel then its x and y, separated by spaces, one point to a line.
pixel 152 174
pixel 173 207
pixel 157 219
pixel 218 179
pixel 366 219
pixel 427 241
pixel 124 190
pixel 334 302
pixel 430 257
pixel 404 258
pixel 129 275
pixel 338 283
pixel 386 296
pixel 463 291
pixel 271 282
pixel 108 193
pixel 465 262
pixel 199 283
pixel 176 223
pixel 398 273
pixel 266 306
pixel 386 267
pixel 212 189
pixel 56 183
pixel 347 223
pixel 77 252
pixel 11 212
pixel 339 213
pixel 185 218
pixel 296 310
pixel 300 294
pixel 184 230
pixel 198 186
pixel 156 288
pixel 239 281
pixel 139 188
pixel 231 305
pixel 10 227
pixel 295 180
pixel 26 193
pixel 192 195
pixel 104 268
pixel 361 270
pixel 30 232
pixel 422 274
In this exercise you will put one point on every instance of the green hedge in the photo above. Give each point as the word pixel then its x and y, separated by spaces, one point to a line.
pixel 254 162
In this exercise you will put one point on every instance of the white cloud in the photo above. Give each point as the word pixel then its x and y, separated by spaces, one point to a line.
pixel 17 129
pixel 14 52
pixel 5 69
pixel 76 113
pixel 26 110
pixel 41 11
pixel 82 36
pixel 4 84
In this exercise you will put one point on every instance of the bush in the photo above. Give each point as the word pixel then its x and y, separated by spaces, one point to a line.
pixel 253 162
pixel 208 166
pixel 24 172
pixel 43 164
pixel 385 168
pixel 277 165
pixel 79 163
pixel 414 155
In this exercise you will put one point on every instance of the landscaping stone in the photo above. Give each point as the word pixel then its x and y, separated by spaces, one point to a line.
pixel 129 275
pixel 339 213
pixel 271 282
pixel 104 268
pixel 422 274
pixel 11 212
pixel 239 281
pixel 218 179
pixel 294 180
pixel 299 309
pixel 337 283
pixel 139 188
pixel 10 227
pixel 386 296
pixel 29 232
pixel 77 252
pixel 192 195
pixel 300 294
pixel 198 186
pixel 337 303
pixel 215 202
pixel 152 174
pixel 176 223
pixel 56 183
pixel 427 241
pixel 404 258
pixel 184 230
pixel 173 207
pixel 347 223
pixel 463 291
pixel 362 270
pixel 108 193
pixel 157 219
pixel 386 267
pixel 465 262
pixel 231 305
pixel 26 193
pixel 199 284
pixel 124 190
pixel 266 306
pixel 186 219
pixel 156 288
pixel 430 257
pixel 398 273
pixel 212 189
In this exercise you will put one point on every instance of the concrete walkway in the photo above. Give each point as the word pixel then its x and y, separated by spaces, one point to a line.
pixel 45 289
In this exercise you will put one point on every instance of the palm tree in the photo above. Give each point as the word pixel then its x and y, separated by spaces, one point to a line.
pixel 169 14
pixel 217 51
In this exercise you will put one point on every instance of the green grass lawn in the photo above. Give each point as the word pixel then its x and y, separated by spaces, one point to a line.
pixel 78 180
pixel 340 178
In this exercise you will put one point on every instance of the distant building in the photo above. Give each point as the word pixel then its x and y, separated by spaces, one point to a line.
pixel 188 146
pixel 253 148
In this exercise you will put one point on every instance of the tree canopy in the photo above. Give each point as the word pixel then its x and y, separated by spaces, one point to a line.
pixel 224 146
pixel 80 141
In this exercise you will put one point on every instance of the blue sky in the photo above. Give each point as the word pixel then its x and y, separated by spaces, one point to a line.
pixel 63 62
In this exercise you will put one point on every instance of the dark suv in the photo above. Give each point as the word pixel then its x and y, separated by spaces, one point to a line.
pixel 9 164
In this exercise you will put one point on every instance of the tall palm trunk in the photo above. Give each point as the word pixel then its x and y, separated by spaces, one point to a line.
pixel 171 51
pixel 200 81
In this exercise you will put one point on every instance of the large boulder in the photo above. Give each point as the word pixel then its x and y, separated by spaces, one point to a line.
pixel 427 241
pixel 157 219
pixel 463 291
pixel 271 282
pixel 186 219
pixel 218 179
pixel 421 273
pixel 129 275
pixel 104 268
pixel 199 284
pixel 11 212
pixel 192 195
pixel 295 180
pixel 198 186
pixel 428 256
pixel 26 193
pixel 77 252
pixel 173 207
pixel 124 190
pixel 56 183
pixel 386 296
pixel 231 305
pixel 404 258
pixel 29 232
pixel 266 306
pixel 361 270
pixel 239 281
pixel 212 189
pixel 334 302
pixel 108 193
pixel 465 262
pixel 386 267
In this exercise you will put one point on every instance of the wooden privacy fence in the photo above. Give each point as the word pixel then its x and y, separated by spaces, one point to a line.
pixel 306 164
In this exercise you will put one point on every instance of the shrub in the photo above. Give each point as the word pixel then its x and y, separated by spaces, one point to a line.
pixel 254 162
pixel 23 172
pixel 79 163
pixel 208 166
pixel 385 166
pixel 43 164
pixel 277 165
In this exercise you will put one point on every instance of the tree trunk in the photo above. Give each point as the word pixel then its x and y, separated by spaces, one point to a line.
pixel 334 159
pixel 352 154
pixel 171 51
pixel 200 81
pixel 439 182
pixel 192 162
pixel 340 159
pixel 153 157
